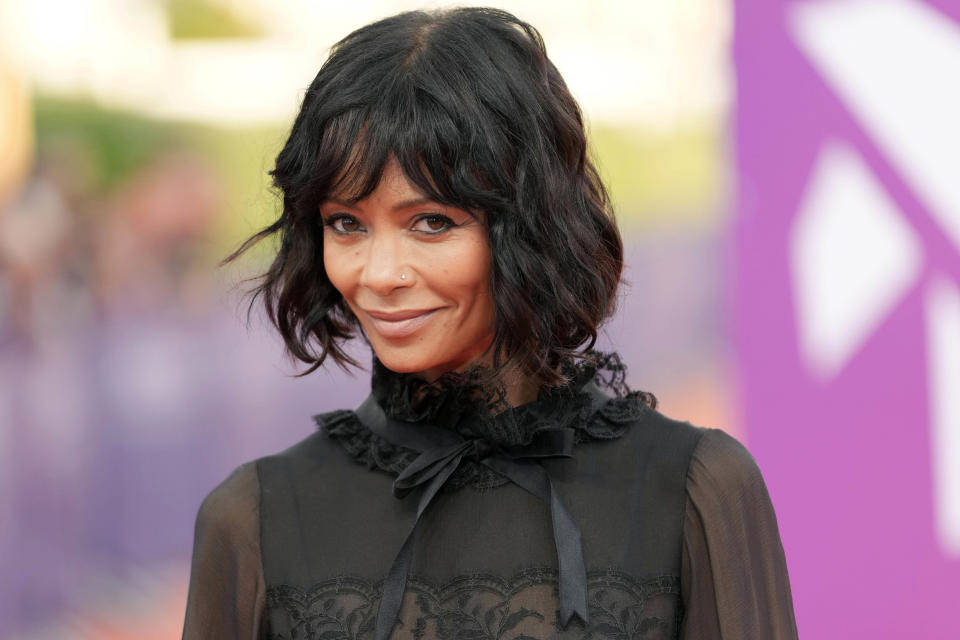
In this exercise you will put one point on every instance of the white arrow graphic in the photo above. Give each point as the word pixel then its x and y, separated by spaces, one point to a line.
pixel 896 65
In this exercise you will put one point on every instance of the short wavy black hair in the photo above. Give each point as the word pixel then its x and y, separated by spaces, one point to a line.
pixel 479 118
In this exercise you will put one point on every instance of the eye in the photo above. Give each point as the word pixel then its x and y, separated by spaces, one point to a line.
pixel 343 223
pixel 433 223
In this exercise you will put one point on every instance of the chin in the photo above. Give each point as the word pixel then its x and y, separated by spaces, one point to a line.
pixel 405 360
pixel 400 365
pixel 400 360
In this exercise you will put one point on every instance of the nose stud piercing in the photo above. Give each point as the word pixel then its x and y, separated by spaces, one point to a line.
pixel 403 276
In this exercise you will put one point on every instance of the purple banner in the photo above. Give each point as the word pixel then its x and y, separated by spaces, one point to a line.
pixel 846 299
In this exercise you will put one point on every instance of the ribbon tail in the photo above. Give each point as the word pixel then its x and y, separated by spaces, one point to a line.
pixel 573 573
pixel 393 587
pixel 566 535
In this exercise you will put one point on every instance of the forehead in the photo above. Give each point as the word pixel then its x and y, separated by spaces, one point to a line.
pixel 392 184
pixel 393 181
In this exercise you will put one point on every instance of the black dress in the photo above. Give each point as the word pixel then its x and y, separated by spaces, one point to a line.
pixel 677 533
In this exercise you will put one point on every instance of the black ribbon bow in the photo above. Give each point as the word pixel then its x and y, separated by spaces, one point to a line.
pixel 441 452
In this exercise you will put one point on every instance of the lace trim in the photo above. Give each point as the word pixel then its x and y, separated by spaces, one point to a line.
pixel 480 606
pixel 460 399
pixel 452 400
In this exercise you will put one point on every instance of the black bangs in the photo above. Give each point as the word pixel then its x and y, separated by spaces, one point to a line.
pixel 435 146
pixel 357 147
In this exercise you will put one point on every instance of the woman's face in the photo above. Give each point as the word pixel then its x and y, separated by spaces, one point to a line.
pixel 415 273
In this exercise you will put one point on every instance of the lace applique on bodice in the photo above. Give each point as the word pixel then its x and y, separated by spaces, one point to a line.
pixel 483 607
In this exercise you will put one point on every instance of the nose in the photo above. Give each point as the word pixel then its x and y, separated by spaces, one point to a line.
pixel 384 264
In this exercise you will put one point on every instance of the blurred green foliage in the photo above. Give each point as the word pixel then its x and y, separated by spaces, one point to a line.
pixel 113 143
pixel 672 177
pixel 206 19
pixel 668 178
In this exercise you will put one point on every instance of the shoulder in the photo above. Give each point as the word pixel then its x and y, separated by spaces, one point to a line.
pixel 709 461
pixel 726 489
pixel 237 498
pixel 667 430
pixel 230 510
pixel 315 451
pixel 712 455
pixel 234 494
pixel 721 464
pixel 320 464
pixel 662 441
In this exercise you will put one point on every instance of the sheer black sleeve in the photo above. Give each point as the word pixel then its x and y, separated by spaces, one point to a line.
pixel 226 596
pixel 734 575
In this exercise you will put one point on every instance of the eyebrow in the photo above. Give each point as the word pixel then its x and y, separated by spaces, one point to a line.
pixel 405 204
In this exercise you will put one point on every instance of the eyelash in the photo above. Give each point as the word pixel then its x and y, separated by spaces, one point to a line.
pixel 331 221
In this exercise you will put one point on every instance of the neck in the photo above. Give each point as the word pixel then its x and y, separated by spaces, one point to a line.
pixel 519 388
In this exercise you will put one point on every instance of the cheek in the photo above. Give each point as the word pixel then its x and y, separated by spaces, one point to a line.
pixel 471 273
pixel 336 264
pixel 480 263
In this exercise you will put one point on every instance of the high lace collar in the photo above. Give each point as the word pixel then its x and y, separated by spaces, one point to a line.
pixel 457 401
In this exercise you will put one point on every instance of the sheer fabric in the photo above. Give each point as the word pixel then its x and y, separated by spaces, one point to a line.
pixel 734 578
pixel 679 536
pixel 226 596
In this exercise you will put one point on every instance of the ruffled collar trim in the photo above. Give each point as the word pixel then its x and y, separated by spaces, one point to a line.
pixel 457 401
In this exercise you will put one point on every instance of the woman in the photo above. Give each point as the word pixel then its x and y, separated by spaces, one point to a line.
pixel 500 481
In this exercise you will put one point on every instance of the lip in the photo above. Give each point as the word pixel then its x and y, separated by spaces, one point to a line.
pixel 398 324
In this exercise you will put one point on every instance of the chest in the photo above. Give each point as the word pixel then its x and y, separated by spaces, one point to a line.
pixel 484 562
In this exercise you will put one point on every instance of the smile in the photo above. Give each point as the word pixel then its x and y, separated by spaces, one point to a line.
pixel 399 324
